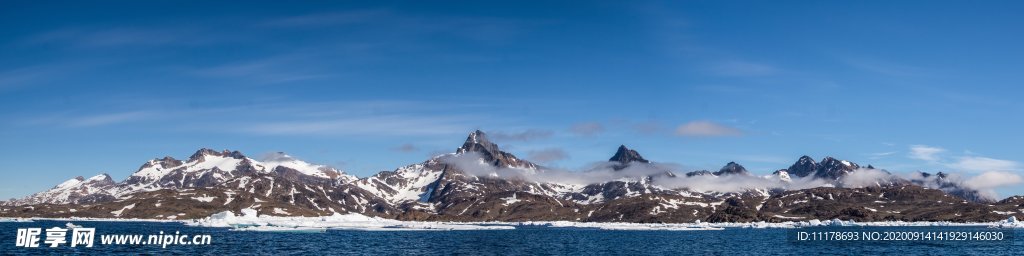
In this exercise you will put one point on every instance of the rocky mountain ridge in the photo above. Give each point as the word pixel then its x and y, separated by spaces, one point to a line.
pixel 448 188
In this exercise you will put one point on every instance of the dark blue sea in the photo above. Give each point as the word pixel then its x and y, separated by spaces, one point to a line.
pixel 523 241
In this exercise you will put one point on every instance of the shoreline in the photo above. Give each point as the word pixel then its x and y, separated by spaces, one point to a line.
pixel 248 221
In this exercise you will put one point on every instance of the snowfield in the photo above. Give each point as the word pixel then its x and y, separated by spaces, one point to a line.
pixel 15 220
pixel 249 221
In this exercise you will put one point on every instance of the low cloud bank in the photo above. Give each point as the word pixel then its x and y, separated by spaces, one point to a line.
pixel 984 183
pixel 661 175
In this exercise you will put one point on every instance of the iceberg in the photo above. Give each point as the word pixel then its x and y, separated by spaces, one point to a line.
pixel 1010 222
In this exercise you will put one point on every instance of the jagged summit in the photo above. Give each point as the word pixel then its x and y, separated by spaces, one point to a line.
pixel 732 168
pixel 165 162
pixel 477 136
pixel 803 167
pixel 699 173
pixel 625 155
pixel 477 142
pixel 203 152
pixel 939 175
pixel 833 169
pixel 829 168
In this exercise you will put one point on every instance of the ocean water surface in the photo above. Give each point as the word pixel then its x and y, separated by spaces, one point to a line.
pixel 521 241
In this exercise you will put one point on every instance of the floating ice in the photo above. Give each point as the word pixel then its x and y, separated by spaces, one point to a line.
pixel 250 221
pixel 15 220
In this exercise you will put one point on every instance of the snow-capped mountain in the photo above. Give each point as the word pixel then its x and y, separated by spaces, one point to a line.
pixel 205 168
pixel 406 184
pixel 295 169
pixel 480 182
pixel 830 169
pixel 803 167
pixel 208 167
pixel 73 191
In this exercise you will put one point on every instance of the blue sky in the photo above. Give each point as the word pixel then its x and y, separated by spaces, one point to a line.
pixel 91 87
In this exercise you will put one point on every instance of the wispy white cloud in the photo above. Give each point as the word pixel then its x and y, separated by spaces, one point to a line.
pixel 987 182
pixel 397 25
pixel 78 120
pixel 407 147
pixel 547 155
pixel 330 18
pixel 883 67
pixel 587 128
pixel 993 179
pixel 983 164
pixel 926 153
pixel 865 178
pixel 124 36
pixel 648 127
pixel 969 162
pixel 111 118
pixel 881 155
pixel 275 69
pixel 368 125
pixel 743 68
pixel 338 118
pixel 763 159
pixel 706 129
pixel 44 74
pixel 21 77
pixel 527 135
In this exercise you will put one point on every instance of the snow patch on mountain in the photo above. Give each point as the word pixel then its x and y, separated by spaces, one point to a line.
pixel 71 191
pixel 280 159
pixel 408 183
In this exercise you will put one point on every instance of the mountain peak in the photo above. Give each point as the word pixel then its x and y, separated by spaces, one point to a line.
pixel 100 179
pixel 203 152
pixel 803 167
pixel 477 142
pixel 832 169
pixel 477 136
pixel 836 162
pixel 101 176
pixel 70 183
pixel 732 168
pixel 165 162
pixel 625 155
